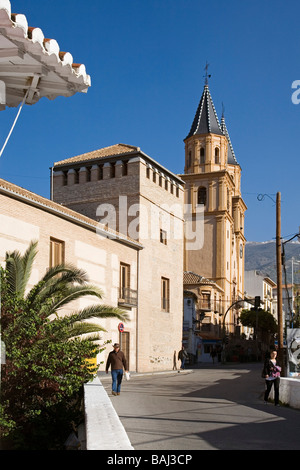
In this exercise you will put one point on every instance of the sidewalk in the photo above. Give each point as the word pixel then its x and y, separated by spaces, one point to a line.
pixel 102 374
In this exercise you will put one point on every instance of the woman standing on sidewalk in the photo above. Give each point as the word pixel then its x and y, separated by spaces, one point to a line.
pixel 271 372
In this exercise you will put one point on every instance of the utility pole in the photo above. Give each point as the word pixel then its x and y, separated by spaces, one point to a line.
pixel 279 282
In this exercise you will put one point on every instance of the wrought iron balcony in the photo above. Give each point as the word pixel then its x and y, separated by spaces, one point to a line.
pixel 205 304
pixel 127 297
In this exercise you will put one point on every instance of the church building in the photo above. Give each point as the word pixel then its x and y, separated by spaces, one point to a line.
pixel 212 178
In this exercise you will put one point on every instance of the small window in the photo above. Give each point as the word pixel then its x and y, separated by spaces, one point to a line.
pixel 202 195
pixel 165 294
pixel 65 178
pixel 217 155
pixel 206 300
pixel 163 237
pixel 76 179
pixel 113 170
pixel 202 155
pixel 57 252
pixel 148 172
pixel 124 280
pixel 88 174
pixel 125 168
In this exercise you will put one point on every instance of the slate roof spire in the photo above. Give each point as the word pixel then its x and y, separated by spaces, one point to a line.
pixel 231 159
pixel 206 120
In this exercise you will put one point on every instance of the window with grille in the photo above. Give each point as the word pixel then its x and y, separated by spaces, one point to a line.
pixel 165 294
pixel 124 280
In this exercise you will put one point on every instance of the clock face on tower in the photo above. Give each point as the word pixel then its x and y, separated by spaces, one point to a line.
pixel 241 250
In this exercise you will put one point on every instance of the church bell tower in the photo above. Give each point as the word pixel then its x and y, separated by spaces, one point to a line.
pixel 213 181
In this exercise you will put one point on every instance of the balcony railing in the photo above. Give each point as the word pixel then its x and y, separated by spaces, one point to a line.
pixel 128 296
pixel 204 305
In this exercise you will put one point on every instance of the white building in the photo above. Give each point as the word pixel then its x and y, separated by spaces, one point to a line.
pixel 258 284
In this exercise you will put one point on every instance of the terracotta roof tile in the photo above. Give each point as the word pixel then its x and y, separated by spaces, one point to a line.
pixel 192 278
pixel 113 150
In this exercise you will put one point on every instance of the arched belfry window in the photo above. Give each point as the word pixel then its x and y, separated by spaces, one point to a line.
pixel 202 155
pixel 217 155
pixel 189 162
pixel 201 195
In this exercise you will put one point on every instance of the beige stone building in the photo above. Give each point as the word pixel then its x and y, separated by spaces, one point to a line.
pixel 213 185
pixel 134 253
pixel 66 236
pixel 128 191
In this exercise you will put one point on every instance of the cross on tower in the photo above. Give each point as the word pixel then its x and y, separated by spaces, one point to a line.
pixel 206 73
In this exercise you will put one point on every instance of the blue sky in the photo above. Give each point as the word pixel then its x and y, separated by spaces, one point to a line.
pixel 146 59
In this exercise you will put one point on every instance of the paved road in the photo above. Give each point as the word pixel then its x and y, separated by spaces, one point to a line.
pixel 210 408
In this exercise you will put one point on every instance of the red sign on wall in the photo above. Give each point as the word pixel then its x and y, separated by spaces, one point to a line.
pixel 121 327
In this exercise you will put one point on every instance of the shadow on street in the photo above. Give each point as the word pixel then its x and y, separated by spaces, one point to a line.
pixel 212 407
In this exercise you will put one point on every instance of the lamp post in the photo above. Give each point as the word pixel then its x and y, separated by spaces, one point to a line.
pixel 260 197
pixel 279 281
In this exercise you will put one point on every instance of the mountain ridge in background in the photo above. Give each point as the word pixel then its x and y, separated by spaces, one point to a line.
pixel 261 256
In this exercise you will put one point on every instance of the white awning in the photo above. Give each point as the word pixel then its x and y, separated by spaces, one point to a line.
pixel 34 65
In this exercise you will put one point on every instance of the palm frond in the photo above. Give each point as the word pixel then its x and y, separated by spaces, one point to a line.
pixel 98 311
pixel 80 329
pixel 73 293
pixel 55 282
pixel 19 268
pixel 28 260
pixel 78 275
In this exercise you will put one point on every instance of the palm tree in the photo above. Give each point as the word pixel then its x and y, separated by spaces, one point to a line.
pixel 61 285
pixel 47 352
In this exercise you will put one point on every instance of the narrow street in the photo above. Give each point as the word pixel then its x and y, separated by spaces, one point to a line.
pixel 216 407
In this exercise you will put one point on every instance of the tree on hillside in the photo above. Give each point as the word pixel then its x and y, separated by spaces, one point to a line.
pixel 47 353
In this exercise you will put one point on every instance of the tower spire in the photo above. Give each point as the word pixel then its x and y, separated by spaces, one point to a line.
pixel 206 120
pixel 231 155
pixel 206 73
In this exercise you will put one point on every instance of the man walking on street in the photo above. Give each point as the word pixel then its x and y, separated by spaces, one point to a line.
pixel 116 359
pixel 182 355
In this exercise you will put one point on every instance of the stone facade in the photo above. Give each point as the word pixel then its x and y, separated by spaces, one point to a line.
pixel 25 216
pixel 130 192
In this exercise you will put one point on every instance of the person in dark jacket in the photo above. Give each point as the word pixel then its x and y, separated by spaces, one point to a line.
pixel 182 355
pixel 271 372
pixel 117 361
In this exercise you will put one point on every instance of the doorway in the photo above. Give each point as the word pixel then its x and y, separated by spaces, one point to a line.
pixel 124 340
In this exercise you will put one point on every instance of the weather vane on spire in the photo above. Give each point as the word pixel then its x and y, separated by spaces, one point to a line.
pixel 206 73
